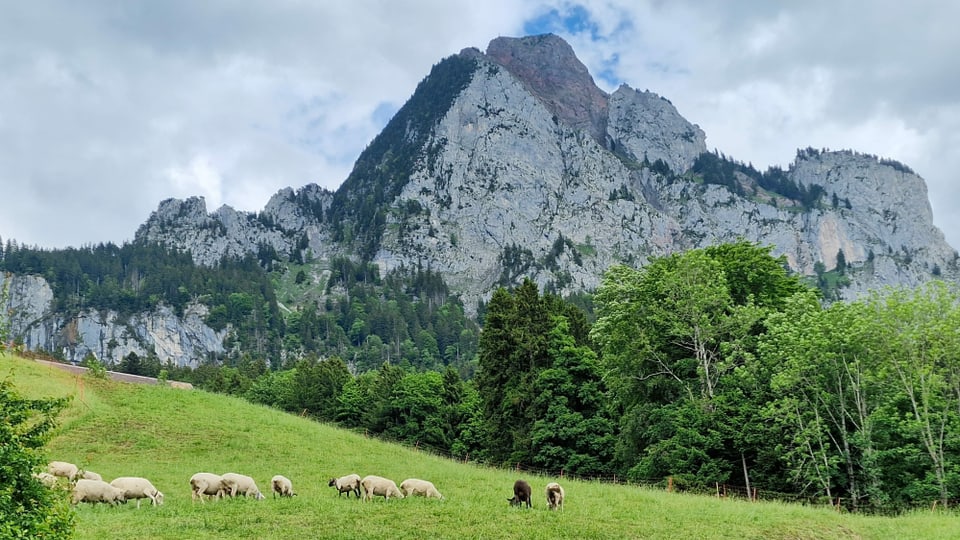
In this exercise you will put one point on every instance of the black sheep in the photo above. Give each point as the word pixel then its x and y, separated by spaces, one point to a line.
pixel 521 494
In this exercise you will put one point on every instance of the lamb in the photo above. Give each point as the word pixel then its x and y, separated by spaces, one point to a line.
pixel 555 496
pixel 97 491
pixel 521 494
pixel 238 484
pixel 90 475
pixel 423 488
pixel 282 485
pixel 377 485
pixel 349 483
pixel 204 483
pixel 63 469
pixel 134 487
pixel 46 479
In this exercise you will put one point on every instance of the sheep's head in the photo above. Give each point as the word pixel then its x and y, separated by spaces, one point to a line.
pixel 258 496
pixel 333 482
pixel 159 498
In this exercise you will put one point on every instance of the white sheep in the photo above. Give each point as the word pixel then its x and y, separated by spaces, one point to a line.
pixel 377 485
pixel 349 483
pixel 281 485
pixel 204 483
pixel 134 487
pixel 97 491
pixel 63 469
pixel 46 479
pixel 555 496
pixel 238 484
pixel 90 475
pixel 423 488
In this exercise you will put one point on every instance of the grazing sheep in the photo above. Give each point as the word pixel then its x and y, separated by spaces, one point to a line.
pixel 238 484
pixel 282 485
pixel 90 475
pixel 134 487
pixel 204 483
pixel 521 494
pixel 63 469
pixel 377 485
pixel 349 483
pixel 46 479
pixel 555 496
pixel 423 488
pixel 97 491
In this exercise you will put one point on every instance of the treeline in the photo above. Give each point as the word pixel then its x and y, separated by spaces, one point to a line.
pixel 538 398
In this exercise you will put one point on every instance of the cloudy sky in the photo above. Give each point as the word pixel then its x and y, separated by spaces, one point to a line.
pixel 108 107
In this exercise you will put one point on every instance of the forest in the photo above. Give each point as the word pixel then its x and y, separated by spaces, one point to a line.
pixel 711 366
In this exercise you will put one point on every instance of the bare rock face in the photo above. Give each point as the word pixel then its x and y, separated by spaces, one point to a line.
pixel 288 217
pixel 182 340
pixel 550 69
pixel 648 128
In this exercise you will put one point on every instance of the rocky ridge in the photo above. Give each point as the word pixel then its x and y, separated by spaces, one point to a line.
pixel 533 170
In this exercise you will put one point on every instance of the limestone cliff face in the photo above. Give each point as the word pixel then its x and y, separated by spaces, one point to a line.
pixel 531 170
pixel 182 340
pixel 291 220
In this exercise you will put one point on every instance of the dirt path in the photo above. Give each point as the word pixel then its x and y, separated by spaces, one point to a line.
pixel 122 377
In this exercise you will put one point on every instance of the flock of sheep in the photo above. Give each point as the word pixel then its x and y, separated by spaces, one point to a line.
pixel 89 486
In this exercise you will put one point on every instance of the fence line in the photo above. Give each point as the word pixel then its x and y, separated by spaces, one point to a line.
pixel 669 484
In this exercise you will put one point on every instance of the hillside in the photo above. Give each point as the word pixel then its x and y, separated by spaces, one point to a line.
pixel 167 434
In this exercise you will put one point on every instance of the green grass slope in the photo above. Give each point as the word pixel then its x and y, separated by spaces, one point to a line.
pixel 167 434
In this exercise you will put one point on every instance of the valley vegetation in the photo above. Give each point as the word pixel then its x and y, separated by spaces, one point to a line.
pixel 713 366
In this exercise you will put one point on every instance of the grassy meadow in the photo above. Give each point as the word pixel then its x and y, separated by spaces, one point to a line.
pixel 167 434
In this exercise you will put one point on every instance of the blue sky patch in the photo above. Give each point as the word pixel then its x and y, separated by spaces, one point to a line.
pixel 574 21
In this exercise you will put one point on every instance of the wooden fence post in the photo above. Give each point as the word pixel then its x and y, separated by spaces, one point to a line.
pixel 669 484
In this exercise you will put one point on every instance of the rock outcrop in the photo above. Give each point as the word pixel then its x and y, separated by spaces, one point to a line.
pixel 182 340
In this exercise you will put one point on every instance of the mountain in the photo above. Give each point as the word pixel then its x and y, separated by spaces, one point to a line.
pixel 512 162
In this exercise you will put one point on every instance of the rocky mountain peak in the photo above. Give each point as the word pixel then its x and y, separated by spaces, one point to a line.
pixel 550 69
